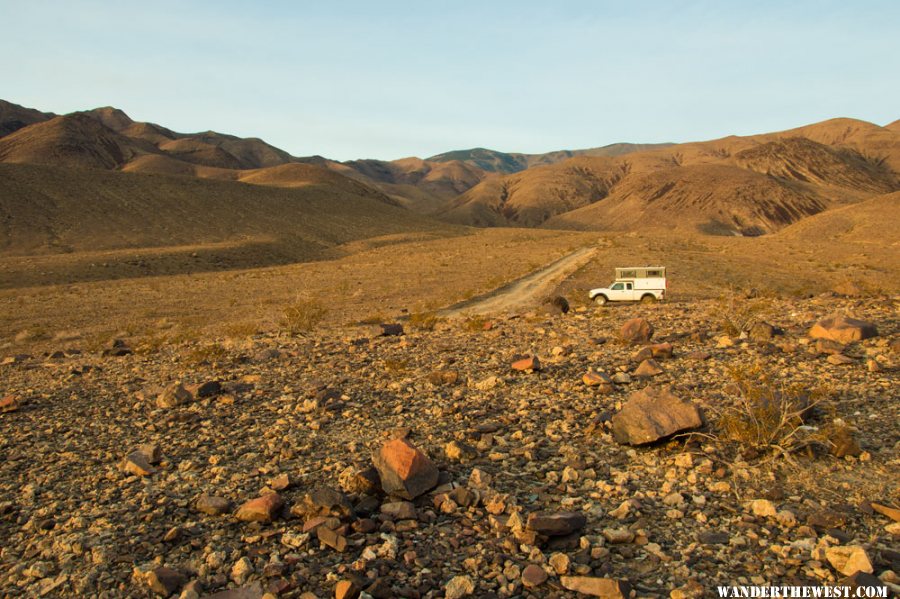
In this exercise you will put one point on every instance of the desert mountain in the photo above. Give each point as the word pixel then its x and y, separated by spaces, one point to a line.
pixel 735 185
pixel 507 162
pixel 46 209
pixel 13 117
pixel 107 138
pixel 863 222
pixel 421 185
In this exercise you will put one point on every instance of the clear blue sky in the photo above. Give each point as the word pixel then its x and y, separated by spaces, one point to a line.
pixel 392 79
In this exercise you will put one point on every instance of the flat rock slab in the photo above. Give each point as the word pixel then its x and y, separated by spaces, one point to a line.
pixel 849 559
pixel 530 363
pixel 843 329
pixel 597 587
pixel 558 524
pixel 404 470
pixel 652 414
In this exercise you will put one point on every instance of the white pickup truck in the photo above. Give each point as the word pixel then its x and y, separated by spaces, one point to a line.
pixel 645 284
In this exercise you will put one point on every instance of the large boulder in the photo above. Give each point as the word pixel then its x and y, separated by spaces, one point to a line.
pixel 404 470
pixel 636 330
pixel 652 414
pixel 843 329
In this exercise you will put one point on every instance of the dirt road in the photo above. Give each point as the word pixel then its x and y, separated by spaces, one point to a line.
pixel 524 291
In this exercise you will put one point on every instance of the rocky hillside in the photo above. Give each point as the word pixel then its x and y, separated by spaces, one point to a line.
pixel 63 210
pixel 657 450
pixel 748 186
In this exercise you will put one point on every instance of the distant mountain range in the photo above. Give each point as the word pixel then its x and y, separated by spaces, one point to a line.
pixel 735 185
pixel 503 162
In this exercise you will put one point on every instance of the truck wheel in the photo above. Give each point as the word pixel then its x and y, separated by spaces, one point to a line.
pixel 601 300
pixel 648 299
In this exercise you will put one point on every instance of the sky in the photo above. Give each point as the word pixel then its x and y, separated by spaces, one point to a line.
pixel 388 80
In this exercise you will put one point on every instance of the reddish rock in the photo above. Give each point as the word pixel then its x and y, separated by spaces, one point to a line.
pixel 652 414
pixel 649 368
pixel 331 538
pixel 596 379
pixel 346 589
pixel 662 351
pixel 527 364
pixel 261 509
pixel 608 588
pixel 843 329
pixel 533 576
pixel 636 330
pixel 404 470
pixel 10 403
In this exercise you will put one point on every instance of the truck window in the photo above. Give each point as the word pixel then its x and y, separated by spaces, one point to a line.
pixel 617 287
pixel 627 285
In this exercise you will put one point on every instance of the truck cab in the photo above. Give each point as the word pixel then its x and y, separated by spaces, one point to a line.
pixel 645 284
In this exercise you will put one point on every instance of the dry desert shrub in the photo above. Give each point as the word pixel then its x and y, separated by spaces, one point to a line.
pixel 396 366
pixel 475 324
pixel 766 414
pixel 210 353
pixel 425 321
pixel 302 316
pixel 376 318
pixel 241 329
pixel 734 313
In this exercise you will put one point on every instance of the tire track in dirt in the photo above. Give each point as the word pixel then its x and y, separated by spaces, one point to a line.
pixel 525 290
